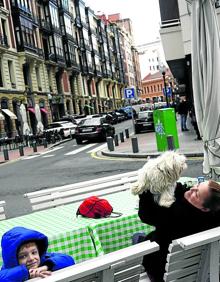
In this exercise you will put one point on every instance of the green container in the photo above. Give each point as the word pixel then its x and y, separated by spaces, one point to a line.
pixel 165 124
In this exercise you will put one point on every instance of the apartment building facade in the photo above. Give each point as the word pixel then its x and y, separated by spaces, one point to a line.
pixel 58 58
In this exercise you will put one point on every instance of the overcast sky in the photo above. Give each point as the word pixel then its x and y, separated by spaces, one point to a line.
pixel 145 15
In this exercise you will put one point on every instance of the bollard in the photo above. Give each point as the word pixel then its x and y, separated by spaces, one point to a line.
pixel 134 142
pixel 170 142
pixel 110 143
pixel 45 142
pixel 116 140
pixel 34 144
pixel 122 137
pixel 6 156
pixel 26 141
pixel 53 140
pixel 127 133
pixel 21 150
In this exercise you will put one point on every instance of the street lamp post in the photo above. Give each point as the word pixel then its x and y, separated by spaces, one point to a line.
pixel 163 72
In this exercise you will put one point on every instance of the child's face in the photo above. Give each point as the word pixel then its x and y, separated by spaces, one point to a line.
pixel 28 254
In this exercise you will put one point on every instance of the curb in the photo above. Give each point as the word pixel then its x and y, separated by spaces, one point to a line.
pixel 141 155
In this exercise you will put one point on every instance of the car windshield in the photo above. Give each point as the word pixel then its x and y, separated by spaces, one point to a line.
pixel 145 114
pixel 91 121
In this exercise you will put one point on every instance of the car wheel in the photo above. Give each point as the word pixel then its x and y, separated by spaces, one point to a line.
pixel 78 141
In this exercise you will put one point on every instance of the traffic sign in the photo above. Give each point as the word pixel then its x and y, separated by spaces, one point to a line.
pixel 169 91
pixel 129 93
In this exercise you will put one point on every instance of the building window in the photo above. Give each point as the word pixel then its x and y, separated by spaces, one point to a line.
pixel 2 3
pixel 17 33
pixel 97 64
pixel 68 26
pixel 11 74
pixel 94 43
pixel 147 89
pixel 37 70
pixel 154 88
pixel 158 87
pixel 58 45
pixel 1 77
pixel 54 16
pixel 151 88
pixel 72 53
pixel 28 33
pixel 86 37
pixel 4 39
pixel 24 5
pixel 82 12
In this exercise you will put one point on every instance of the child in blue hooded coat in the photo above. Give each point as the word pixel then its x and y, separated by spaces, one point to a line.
pixel 24 253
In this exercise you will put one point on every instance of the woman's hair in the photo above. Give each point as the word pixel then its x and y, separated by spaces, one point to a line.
pixel 213 201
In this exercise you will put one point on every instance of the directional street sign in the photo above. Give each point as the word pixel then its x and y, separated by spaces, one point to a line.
pixel 129 93
pixel 169 91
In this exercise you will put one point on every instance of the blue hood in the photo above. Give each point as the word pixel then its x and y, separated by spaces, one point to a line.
pixel 14 238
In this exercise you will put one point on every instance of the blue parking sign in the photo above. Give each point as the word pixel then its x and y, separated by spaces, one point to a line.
pixel 129 93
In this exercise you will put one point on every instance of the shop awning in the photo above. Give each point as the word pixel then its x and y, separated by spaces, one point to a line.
pixel 9 113
pixel 31 110
pixel 2 116
pixel 43 110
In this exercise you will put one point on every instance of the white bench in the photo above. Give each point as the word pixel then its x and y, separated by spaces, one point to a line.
pixel 76 192
pixel 2 210
pixel 123 265
pixel 194 258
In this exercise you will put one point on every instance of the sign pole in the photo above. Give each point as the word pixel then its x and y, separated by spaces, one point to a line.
pixel 132 116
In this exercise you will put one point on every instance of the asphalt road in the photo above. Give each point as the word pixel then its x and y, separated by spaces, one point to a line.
pixel 66 164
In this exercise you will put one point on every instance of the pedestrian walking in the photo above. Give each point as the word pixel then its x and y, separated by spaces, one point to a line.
pixel 183 110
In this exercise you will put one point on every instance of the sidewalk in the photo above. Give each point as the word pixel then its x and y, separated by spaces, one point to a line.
pixel 148 147
pixel 28 151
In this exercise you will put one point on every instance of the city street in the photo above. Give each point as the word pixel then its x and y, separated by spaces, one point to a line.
pixel 65 164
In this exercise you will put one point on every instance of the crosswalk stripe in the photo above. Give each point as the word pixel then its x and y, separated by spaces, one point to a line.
pixel 52 150
pixel 30 157
pixel 80 149
pixel 48 156
pixel 97 148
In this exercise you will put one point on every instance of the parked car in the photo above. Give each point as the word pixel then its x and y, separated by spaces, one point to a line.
pixel 68 118
pixel 144 121
pixel 64 128
pixel 114 117
pixel 93 128
pixel 128 110
pixel 120 116
pixel 123 112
